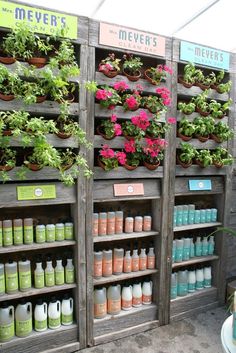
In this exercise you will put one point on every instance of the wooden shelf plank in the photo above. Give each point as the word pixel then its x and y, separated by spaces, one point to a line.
pixel 35 291
pixel 195 260
pixel 35 246
pixel 122 173
pixel 193 91
pixel 117 142
pixel 197 293
pixel 196 170
pixel 52 139
pixel 123 236
pixel 192 116
pixel 210 144
pixel 123 276
pixel 196 226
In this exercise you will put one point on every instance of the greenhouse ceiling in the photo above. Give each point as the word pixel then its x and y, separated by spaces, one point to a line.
pixel 209 22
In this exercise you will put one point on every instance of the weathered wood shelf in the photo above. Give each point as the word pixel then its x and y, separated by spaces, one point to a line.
pixel 35 291
pixel 210 144
pixel 122 173
pixel 124 236
pixel 123 276
pixel 195 260
pixel 196 226
pixel 192 116
pixel 35 246
pixel 193 91
pixel 196 170
pixel 197 293
pixel 52 139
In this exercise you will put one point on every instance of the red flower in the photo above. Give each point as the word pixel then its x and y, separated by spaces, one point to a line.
pixel 131 102
pixel 171 120
pixel 141 120
pixel 120 86
pixel 117 129
pixel 130 146
pixel 101 94
pixel 121 157
pixel 107 152
pixel 113 118
pixel 168 69
pixel 111 107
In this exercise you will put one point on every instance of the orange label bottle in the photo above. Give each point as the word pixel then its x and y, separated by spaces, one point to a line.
pixel 102 223
pixel 135 261
pixel 107 263
pixel 127 262
pixel 118 258
pixel 151 260
pixel 143 260
pixel 95 224
pixel 111 223
pixel 97 264
pixel 119 218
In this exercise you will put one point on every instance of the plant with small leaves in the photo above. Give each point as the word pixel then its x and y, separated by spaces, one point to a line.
pixel 222 131
pixel 204 157
pixel 186 153
pixel 132 64
pixel 186 108
pixel 201 102
pixel 186 127
pixel 110 63
pixel 204 125
pixel 9 81
pixel 221 156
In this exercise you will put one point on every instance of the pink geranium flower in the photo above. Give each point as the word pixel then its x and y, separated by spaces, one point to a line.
pixel 120 86
pixel 101 94
pixel 117 129
pixel 171 120
pixel 131 102
pixel 121 157
pixel 107 152
pixel 130 146
pixel 141 120
pixel 113 118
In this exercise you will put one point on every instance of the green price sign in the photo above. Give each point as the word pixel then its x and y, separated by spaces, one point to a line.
pixel 36 192
pixel 41 21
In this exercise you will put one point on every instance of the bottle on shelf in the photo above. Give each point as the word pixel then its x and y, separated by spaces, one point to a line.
pixel 138 224
pixel 119 218
pixel 69 231
pixel 173 290
pixel 7 232
pixel 59 272
pixel 100 303
pixel 147 292
pixel 54 313
pixel 129 225
pixel 60 231
pixel 211 245
pixel 207 277
pixel 70 270
pixel 208 215
pixel 118 260
pixel 199 279
pixel 147 223
pixel 67 306
pixel 204 246
pixel 97 264
pixel 126 297
pixel 28 231
pixel 173 251
pixel 11 277
pixel 7 322
pixel 142 260
pixel 213 214
pixel 18 231
pixel 102 223
pixel 113 299
pixel 107 263
pixel 203 216
pixel 185 215
pixel 111 223
pixel 127 262
pixel 95 225
pixel 2 279
pixel 24 268
pixel 191 213
pixel 179 215
pixel 23 318
pixel 39 277
pixel 197 216
pixel 151 259
pixel 1 236
pixel 49 273
pixel 192 248
pixel 198 247
pixel 50 233
pixel 191 281
pixel 182 284
pixel 186 249
pixel 179 250
pixel 40 233
pixel 137 295
pixel 135 260
pixel 40 315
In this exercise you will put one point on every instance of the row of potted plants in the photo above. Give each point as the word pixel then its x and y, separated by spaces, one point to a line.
pixel 187 154
pixel 130 66
pixel 195 76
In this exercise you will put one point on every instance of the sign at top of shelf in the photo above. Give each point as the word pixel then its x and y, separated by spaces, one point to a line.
pixel 36 192
pixel 128 189
pixel 41 21
pixel 199 54
pixel 198 185
pixel 131 39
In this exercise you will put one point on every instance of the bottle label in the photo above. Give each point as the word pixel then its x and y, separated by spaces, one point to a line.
pixel 11 282
pixel 207 283
pixel 102 227
pixel 7 236
pixel 23 328
pixel 107 268
pixel 118 265
pixel 111 226
pixel 113 306
pixel 179 254
pixel 40 236
pixel 28 234
pixel 151 262
pixel 59 277
pixel 95 228
pixel 100 310
pixel 186 254
pixel 142 263
pixel 199 284
pixel 68 233
pixel 147 299
pixel 135 264
pixel 137 301
pixel 49 279
pixel 173 292
pixel 60 234
pixel 70 276
pixel 39 280
pixel 198 250
pixel 182 289
pixel 205 250
pixel 50 235
pixel 67 319
pixel 119 226
pixel 126 304
pixel 191 287
pixel 2 284
pixel 7 331
pixel 127 265
pixel 54 323
pixel 40 325
pixel 18 235
pixel 97 269
pixel 25 280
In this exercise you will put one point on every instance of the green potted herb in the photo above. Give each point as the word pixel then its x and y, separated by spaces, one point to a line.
pixel 186 129
pixel 186 108
pixel 9 84
pixel 7 161
pixel 188 77
pixel 221 156
pixel 43 154
pixel 202 106
pixel 131 67
pixel 203 127
pixel 186 154
pixel 222 132
pixel 217 109
pixel 203 158
pixel 224 87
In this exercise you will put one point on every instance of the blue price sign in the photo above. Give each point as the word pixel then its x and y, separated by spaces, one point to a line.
pixel 198 185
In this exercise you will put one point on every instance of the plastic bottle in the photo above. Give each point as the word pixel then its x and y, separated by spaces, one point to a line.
pixel 40 315
pixel 192 248
pixel 7 324
pixel 175 217
pixel 1 235
pixel 207 277
pixel 18 231
pixel 7 232
pixel 100 303
pixel 59 272
pixel 2 280
pixel 28 231
pixel 49 273
pixel 50 233
pixel 126 297
pixel 204 246
pixel 119 215
pixel 186 249
pixel 151 259
pixel 179 219
pixel 129 225
pixel 97 264
pixel 179 250
pixel 60 231
pixel 147 223
pixel 208 215
pixel 23 318
pixel 127 267
pixel 70 271
pixel 138 224
pixel 39 278
pixel 102 223
pixel 24 269
pixel 203 216
pixel 143 260
pixel 95 225
pixel 213 214
pixel 147 292
pixel 135 261
pixel 40 231
pixel 197 216
pixel 69 231
pixel 191 213
pixel 54 314
pixel 182 286
pixel 198 247
pixel 173 290
pixel 113 299
pixel 137 295
pixel 11 277
pixel 191 281
pixel 211 245
pixel 107 263
pixel 118 259
pixel 173 251
pixel 185 215
pixel 111 223
pixel 67 306
pixel 199 279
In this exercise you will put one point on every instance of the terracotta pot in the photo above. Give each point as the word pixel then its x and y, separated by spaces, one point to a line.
pixel 149 79
pixel 7 60
pixel 7 97
pixel 41 99
pixel 129 138
pixel 70 98
pixel 130 167
pixel 37 62
pixel 151 166
pixel 63 135
pixel 5 168
pixel 100 163
pixel 66 166
pixel 132 78
pixel 214 86
pixel 183 137
pixel 218 165
pixel 110 74
pixel 200 164
pixel 34 167
pixel 202 86
pixel 201 112
pixel 7 133
pixel 98 129
pixel 202 138
pixel 184 165
pixel 185 84
pixel 216 138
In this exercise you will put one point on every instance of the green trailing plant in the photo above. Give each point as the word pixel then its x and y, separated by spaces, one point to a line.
pixel 204 157
pixel 132 64
pixel 189 73
pixel 16 121
pixel 186 127
pixel 44 155
pixel 224 87
pixel 187 153
pixel 9 81
pixel 7 161
pixel 186 108
pixel 221 156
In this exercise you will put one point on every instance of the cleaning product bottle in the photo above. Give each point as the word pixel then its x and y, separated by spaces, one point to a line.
pixel 18 231
pixel 11 276
pixel 211 245
pixel 95 225
pixel 50 233
pixel 23 316
pixel 7 324
pixel 173 288
pixel 207 277
pixel 143 260
pixel 67 310
pixel 192 248
pixel 70 270
pixel 28 231
pixel 2 280
pixel 49 273
pixel 100 303
pixel 39 280
pixel 118 259
pixel 135 261
pixel 119 222
pixel 127 262
pixel 182 286
pixel 151 260
pixel 205 246
pixel 97 264
pixel 198 247
pixel 186 249
pixel 40 315
pixel 199 279
pixel 137 295
pixel 54 314
pixel 40 233
pixel 69 231
pixel 126 297
pixel 7 232
pixel 179 250
pixel 107 263
pixel 60 232
pixel 191 281
pixel 24 269
pixel 111 223
pixel 59 272
pixel 113 299
pixel 147 292
pixel 173 251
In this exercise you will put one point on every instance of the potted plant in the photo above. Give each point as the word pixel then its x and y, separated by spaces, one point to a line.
pixel 155 129
pixel 221 157
pixel 218 78
pixel 186 107
pixel 188 77
pixel 109 128
pixel 131 67
pixel 222 132
pixel 43 154
pixel 136 128
pixel 9 84
pixel 224 87
pixel 134 153
pixel 204 81
pixel 186 129
pixel 202 106
pixel 219 110
pixel 153 152
pixel 107 97
pixel 186 155
pixel 203 127
pixel 109 159
pixel 132 101
pixel 110 66
pixel 15 122
pixel 158 74
pixel 203 158
pixel 7 158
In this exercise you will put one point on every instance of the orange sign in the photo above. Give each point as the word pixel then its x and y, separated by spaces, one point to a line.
pixel 128 189
pixel 131 39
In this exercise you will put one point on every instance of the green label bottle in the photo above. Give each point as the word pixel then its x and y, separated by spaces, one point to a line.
pixel 18 231
pixel 2 279
pixel 49 274
pixel 1 240
pixel 23 318
pixel 50 233
pixel 23 328
pixel 28 231
pixel 70 272
pixel 60 232
pixel 40 315
pixel 40 233
pixel 7 326
pixel 54 313
pixel 24 275
pixel 69 232
pixel 59 272
pixel 67 319
pixel 11 277
pixel 7 232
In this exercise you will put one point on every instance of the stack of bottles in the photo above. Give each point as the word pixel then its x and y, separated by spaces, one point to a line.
pixel 114 299
pixel 18 276
pixel 110 223
pixel 187 214
pixel 22 231
pixel 20 321
pixel 184 281
pixel 108 262
pixel 183 249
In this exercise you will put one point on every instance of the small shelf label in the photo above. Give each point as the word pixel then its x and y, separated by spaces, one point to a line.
pixel 198 185
pixel 36 192
pixel 128 189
